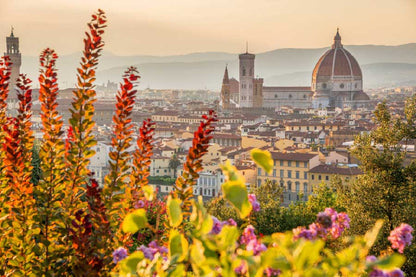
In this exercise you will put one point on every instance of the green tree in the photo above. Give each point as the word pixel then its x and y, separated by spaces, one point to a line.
pixel 174 163
pixel 387 188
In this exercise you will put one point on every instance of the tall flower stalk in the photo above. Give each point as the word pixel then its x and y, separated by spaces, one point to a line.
pixel 51 186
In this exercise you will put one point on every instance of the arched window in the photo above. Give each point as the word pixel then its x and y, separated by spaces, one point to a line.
pixel 324 85
pixel 244 71
pixel 289 185
pixel 341 85
pixel 297 184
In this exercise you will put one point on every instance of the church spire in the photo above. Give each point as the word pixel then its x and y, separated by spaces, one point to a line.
pixel 337 40
pixel 226 80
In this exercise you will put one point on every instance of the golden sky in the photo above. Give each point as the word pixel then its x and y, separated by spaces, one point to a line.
pixel 168 27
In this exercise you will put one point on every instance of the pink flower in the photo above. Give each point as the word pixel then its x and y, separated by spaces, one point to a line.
pixel 253 200
pixel 328 222
pixel 401 237
pixel 241 269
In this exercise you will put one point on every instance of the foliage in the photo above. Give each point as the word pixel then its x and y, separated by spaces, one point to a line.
pixel 387 190
pixel 65 224
pixel 193 164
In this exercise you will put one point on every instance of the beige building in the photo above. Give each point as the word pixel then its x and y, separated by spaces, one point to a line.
pixel 291 171
pixel 326 173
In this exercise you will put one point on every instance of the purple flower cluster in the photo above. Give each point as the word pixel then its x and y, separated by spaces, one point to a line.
pixel 249 238
pixel 272 272
pixel 254 203
pixel 381 273
pixel 401 237
pixel 328 222
pixel 217 226
pixel 119 254
pixel 242 269
pixel 149 252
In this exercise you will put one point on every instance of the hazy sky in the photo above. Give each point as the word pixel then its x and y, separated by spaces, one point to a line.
pixel 165 27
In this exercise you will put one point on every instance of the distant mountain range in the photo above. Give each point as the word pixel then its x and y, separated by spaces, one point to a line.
pixel 381 65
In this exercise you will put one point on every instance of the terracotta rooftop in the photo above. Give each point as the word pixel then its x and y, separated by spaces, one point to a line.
pixel 332 169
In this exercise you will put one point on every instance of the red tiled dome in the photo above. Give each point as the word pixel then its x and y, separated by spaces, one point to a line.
pixel 336 62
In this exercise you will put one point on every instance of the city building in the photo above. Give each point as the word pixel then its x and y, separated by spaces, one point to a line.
pixel 337 81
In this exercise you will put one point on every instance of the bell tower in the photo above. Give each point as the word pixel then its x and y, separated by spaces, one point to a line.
pixel 12 44
pixel 246 79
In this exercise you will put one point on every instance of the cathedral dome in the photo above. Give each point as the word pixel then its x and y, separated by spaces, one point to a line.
pixel 337 65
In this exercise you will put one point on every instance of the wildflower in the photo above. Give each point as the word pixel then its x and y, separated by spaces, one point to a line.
pixel 395 273
pixel 248 235
pixel 401 237
pixel 272 272
pixel 119 254
pixel 149 252
pixel 254 203
pixel 328 222
pixel 302 232
pixel 216 227
pixel 242 269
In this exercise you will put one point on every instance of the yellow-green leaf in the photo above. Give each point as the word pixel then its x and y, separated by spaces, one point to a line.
pixel 236 193
pixel 174 211
pixel 128 266
pixel 148 192
pixel 263 159
pixel 134 221
pixel 178 245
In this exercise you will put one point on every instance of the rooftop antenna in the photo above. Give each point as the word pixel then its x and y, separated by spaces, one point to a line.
pixel 11 34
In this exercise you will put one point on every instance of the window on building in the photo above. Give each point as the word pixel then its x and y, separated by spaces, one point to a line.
pixel 244 71
pixel 258 182
pixel 274 173
pixel 281 163
pixel 305 175
pixel 305 164
pixel 297 164
pixel 319 177
pixel 282 173
pixel 341 85
pixel 258 171
pixel 305 188
pixel 313 176
pixel 275 96
pixel 297 174
pixel 290 96
pixel 327 178
pixel 297 184
pixel 289 163
pixel 289 174
pixel 289 186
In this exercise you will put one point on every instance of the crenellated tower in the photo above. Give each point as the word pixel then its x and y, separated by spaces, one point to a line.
pixel 12 50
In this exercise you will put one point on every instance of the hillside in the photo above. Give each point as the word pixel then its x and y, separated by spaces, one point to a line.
pixel 382 65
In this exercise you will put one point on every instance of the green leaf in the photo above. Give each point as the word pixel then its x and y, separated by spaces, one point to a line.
pixel 227 237
pixel 178 245
pixel 371 236
pixel 148 192
pixel 263 159
pixel 174 211
pixel 129 265
pixel 236 193
pixel 391 262
pixel 134 221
